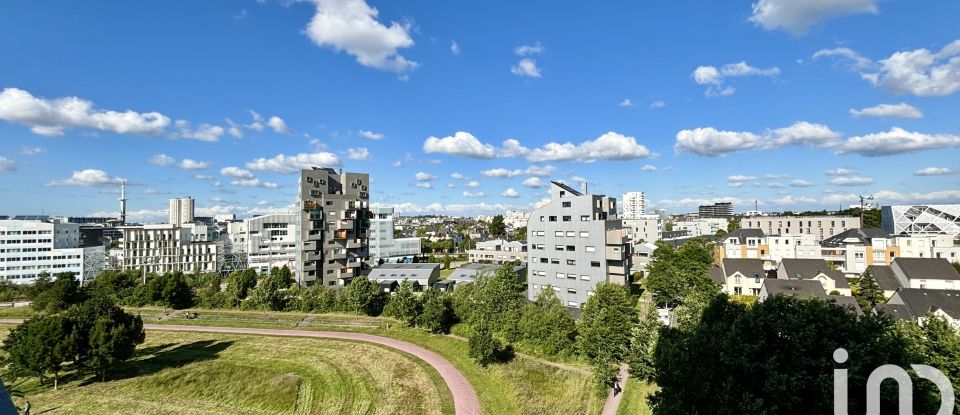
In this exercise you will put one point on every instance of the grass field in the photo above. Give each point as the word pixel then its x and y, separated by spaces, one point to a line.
pixel 198 373
pixel 635 398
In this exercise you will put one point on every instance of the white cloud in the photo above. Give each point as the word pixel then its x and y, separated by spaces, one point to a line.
pixel 510 192
pixel 461 144
pixel 610 146
pixel 87 178
pixel 358 153
pixel 236 172
pixel 897 141
pixel 715 77
pixel 502 173
pixel 424 185
pixel 711 142
pixel 648 167
pixel 789 200
pixel 457 176
pixel 233 129
pixel 188 164
pixel 162 160
pixel 293 164
pixel 798 16
pixel 371 135
pixel 658 104
pixel 527 50
pixel 473 184
pixel 739 180
pixel 694 202
pixel 52 117
pixel 278 125
pixel 202 177
pixel 919 72
pixel 512 148
pixel 425 177
pixel 538 171
pixel 941 196
pixel 204 132
pixel 257 124
pixel 458 208
pixel 627 103
pixel 801 183
pixel 533 182
pixel 840 171
pixel 526 67
pixel 901 110
pixel 32 151
pixel 473 195
pixel 934 171
pixel 454 48
pixel 7 164
pixel 451 185
pixel 851 181
pixel 254 183
pixel 352 26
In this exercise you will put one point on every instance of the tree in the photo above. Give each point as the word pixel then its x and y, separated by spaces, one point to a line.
pixel 868 292
pixel 317 299
pixel 733 225
pixel 170 290
pixel 119 286
pixel 270 292
pixel 605 324
pixel 105 335
pixel 496 227
pixel 547 325
pixel 362 296
pixel 42 345
pixel 643 343
pixel 495 302
pixel 404 305
pixel 57 296
pixel 437 316
pixel 520 234
pixel 674 273
pixel 239 285
pixel 446 262
pixel 483 346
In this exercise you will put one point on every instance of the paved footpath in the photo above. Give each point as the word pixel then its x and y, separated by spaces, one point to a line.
pixel 464 397
pixel 612 404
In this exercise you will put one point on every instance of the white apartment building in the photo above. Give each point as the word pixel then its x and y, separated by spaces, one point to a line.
pixel 925 273
pixel 646 228
pixel 921 219
pixel 821 227
pixel 702 226
pixel 383 244
pixel 181 211
pixel 498 251
pixel 514 219
pixel 165 247
pixel 31 247
pixel 928 246
pixel 269 241
pixel 634 205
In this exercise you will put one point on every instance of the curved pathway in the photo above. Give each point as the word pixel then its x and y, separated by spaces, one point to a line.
pixel 612 405
pixel 464 397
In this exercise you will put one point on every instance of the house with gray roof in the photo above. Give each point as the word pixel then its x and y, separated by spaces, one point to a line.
pixel 814 270
pixel 918 302
pixel 740 276
pixel 800 288
pixel 926 273
pixel 846 302
pixel 885 278
pixel 469 272
pixel 422 275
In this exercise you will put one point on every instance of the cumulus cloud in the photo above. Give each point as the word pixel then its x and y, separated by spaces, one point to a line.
pixel 901 110
pixel 714 78
pixel 473 184
pixel 424 185
pixel 934 171
pixel 510 192
pixel 162 160
pixel 473 195
pixel 610 146
pixel 851 181
pixel 502 173
pixel 7 164
pixel 254 182
pixel 278 125
pixel 32 151
pixel 658 104
pixel 512 148
pixel 648 167
pixel 694 202
pixel 204 132
pixel 293 164
pixel 233 129
pixel 352 26
pixel 941 196
pixel 527 50
pixel 897 141
pixel 87 178
pixel 533 182
pixel 358 153
pixel 236 172
pixel 840 171
pixel 526 67
pixel 454 208
pixel 626 103
pixel 739 180
pixel 801 183
pixel 461 144
pixel 790 200
pixel 919 72
pixel 457 176
pixel 188 164
pixel 538 171
pixel 711 142
pixel 798 16
pixel 371 135
pixel 425 177
pixel 52 117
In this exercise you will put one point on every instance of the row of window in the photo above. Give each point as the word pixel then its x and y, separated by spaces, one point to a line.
pixel 556 261
pixel 568 248
pixel 15 250
pixel 583 218
pixel 40 267
pixel 46 232
pixel 843 223
pixel 39 258
pixel 24 241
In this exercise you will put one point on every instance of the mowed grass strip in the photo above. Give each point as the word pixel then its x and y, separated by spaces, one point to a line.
pixel 203 373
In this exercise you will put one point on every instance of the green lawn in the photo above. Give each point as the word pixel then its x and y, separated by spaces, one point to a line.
pixel 200 373
pixel 635 398
pixel 444 273
pixel 16 312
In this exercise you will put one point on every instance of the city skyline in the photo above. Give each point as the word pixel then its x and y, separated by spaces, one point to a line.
pixel 796 108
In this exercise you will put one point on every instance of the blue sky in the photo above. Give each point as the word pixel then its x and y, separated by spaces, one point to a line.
pixel 797 105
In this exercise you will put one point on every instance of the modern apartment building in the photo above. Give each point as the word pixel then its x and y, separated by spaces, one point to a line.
pixel 821 227
pixel 634 205
pixel 702 226
pixel 576 241
pixel 716 210
pixel 383 244
pixel 31 247
pixel 166 247
pixel 646 228
pixel 268 241
pixel 498 251
pixel 921 219
pixel 181 211
pixel 334 210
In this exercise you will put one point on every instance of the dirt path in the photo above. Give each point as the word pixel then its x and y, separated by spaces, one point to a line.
pixel 612 404
pixel 464 397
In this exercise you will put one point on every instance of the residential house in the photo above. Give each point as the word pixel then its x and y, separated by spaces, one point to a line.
pixel 816 270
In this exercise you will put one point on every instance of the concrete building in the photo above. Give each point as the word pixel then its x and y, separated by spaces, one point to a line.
pixel 31 247
pixel 576 242
pixel 716 210
pixel 634 205
pixel 645 228
pixel 422 275
pixel 498 251
pixel 642 255
pixel 334 223
pixel 854 250
pixel 821 227
pixel 166 247
pixel 469 273
pixel 921 219
pixel 181 211
pixel 814 270
pixel 269 241
pixel 383 244
pixel 702 226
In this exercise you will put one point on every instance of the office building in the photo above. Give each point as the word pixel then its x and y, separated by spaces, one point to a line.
pixel 634 205
pixel 921 219
pixel 268 241
pixel 716 210
pixel 31 247
pixel 383 245
pixel 644 228
pixel 334 224
pixel 575 242
pixel 165 247
pixel 821 227
pixel 181 211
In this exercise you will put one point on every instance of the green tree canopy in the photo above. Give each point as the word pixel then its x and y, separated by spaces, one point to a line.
pixel 270 293
pixel 404 304
pixel 497 227
pixel 58 295
pixel 605 324
pixel 868 292
pixel 41 345
pixel 547 325
pixel 437 315
pixel 675 273
pixel 362 296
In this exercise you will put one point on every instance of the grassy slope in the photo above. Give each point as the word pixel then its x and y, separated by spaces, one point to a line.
pixel 196 373
pixel 635 398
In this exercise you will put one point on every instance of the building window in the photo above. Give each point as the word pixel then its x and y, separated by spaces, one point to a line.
pixel 571 291
pixel 584 234
pixel 555 261
pixel 595 264
pixel 584 218
pixel 561 275
pixel 553 219
pixel 571 248
pixel 571 262
pixel 585 277
pixel 567 218
pixel 566 204
pixel 558 247
pixel 558 233
pixel 590 249
pixel 737 291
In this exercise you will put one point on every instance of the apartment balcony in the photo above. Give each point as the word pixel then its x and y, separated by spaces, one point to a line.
pixel 309 205
pixel 346 273
pixel 339 253
pixel 616 269
pixel 340 234
pixel 616 253
pixel 617 237
pixel 354 243
pixel 346 224
pixel 354 263
pixel 314 257
pixel 309 267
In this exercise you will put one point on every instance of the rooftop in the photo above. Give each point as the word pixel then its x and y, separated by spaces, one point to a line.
pixel 920 301
pixel 799 288
pixel 927 268
pixel 885 277
pixel 808 268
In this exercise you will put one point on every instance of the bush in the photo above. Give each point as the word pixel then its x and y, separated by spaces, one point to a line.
pixel 483 347
pixel 437 316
